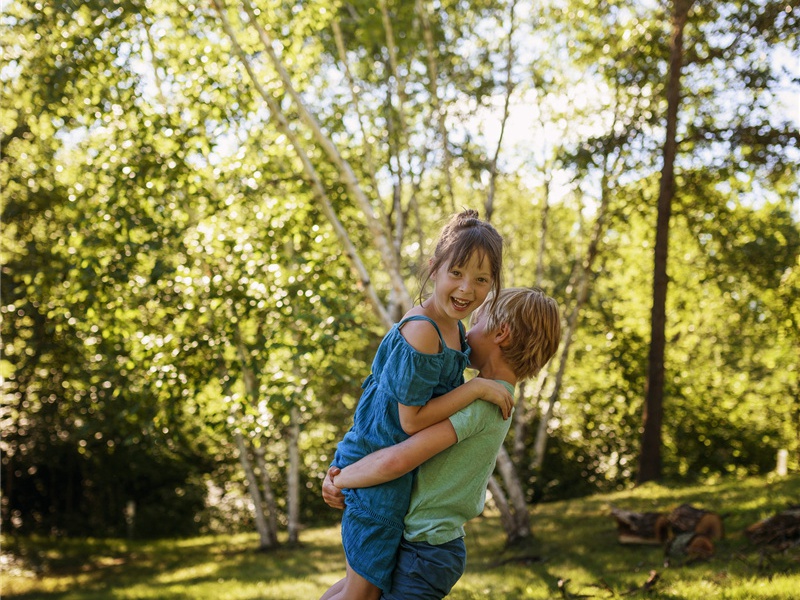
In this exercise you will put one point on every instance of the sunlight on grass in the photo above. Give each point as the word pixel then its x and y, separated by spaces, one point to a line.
pixel 575 543
pixel 194 572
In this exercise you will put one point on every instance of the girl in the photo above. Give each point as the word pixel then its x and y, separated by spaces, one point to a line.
pixel 417 380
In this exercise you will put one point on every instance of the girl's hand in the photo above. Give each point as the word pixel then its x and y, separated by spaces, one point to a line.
pixel 330 493
pixel 496 393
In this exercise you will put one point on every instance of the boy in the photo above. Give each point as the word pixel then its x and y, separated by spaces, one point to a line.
pixel 509 342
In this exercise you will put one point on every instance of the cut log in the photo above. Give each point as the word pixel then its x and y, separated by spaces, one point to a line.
pixel 641 528
pixel 780 531
pixel 688 519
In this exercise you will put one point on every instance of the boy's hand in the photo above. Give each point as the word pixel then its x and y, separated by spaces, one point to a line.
pixel 332 495
pixel 496 393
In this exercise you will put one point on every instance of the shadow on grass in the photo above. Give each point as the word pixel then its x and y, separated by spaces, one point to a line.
pixel 101 568
pixel 574 552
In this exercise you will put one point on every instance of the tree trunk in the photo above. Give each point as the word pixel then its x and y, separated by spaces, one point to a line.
pixel 265 539
pixel 653 414
pixel 267 528
pixel 269 495
pixel 399 290
pixel 781 530
pixel 641 528
pixel 507 102
pixel 580 281
pixel 522 413
pixel 436 104
pixel 543 228
pixel 293 479
pixel 519 517
pixel 369 162
pixel 688 519
pixel 346 173
pixel 500 501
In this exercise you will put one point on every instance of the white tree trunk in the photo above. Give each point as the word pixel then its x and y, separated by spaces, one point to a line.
pixel 346 172
pixel 522 411
pixel 268 521
pixel 436 103
pixel 500 501
pixel 369 162
pixel 519 516
pixel 269 495
pixel 265 540
pixel 293 478
pixel 580 281
pixel 318 188
pixel 489 205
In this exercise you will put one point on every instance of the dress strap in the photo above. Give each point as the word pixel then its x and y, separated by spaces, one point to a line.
pixel 431 321
pixel 463 332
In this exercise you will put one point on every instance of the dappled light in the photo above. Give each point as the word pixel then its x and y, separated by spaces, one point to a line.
pixel 212 212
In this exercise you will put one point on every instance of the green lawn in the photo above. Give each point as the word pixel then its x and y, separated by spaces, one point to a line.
pixel 575 542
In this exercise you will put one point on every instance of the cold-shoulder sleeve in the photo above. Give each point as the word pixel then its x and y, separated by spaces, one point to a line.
pixel 409 376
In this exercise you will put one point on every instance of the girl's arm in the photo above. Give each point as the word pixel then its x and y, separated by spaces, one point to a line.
pixel 414 419
pixel 423 337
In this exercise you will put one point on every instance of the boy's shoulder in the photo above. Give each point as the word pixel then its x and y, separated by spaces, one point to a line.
pixel 479 419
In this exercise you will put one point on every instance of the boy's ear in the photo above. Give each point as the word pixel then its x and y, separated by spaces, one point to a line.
pixel 502 334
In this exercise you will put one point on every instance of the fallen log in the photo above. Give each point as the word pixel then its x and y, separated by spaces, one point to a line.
pixel 780 531
pixel 650 528
pixel 688 519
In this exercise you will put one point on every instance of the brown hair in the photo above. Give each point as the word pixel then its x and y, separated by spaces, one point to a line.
pixel 464 234
pixel 534 326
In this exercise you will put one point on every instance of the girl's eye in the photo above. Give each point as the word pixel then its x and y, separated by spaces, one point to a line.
pixel 455 273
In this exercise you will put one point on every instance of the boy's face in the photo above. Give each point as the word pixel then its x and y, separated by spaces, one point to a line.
pixel 479 339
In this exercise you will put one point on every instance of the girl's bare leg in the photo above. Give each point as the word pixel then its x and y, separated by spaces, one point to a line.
pixel 352 587
pixel 334 590
pixel 358 588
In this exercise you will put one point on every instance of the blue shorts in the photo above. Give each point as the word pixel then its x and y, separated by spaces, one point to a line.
pixel 425 571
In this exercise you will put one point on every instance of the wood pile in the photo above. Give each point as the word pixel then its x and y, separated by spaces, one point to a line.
pixel 688 519
pixel 641 528
pixel 780 531
pixel 686 531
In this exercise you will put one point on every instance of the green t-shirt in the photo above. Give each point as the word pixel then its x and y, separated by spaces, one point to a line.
pixel 450 488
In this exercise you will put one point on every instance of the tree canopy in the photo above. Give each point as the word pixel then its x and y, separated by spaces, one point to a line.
pixel 211 212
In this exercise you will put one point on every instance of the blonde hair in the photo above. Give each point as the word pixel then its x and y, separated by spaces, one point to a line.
pixel 534 326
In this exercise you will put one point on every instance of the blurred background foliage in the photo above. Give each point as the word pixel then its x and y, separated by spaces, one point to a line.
pixel 162 241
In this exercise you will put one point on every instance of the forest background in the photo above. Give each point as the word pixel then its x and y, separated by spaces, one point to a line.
pixel 213 211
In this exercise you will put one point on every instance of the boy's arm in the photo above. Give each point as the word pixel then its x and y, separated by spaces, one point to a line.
pixel 389 463
pixel 414 419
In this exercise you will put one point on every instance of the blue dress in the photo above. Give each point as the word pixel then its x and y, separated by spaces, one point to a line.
pixel 372 523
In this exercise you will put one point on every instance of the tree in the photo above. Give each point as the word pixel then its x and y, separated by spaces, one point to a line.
pixel 192 278
pixel 653 414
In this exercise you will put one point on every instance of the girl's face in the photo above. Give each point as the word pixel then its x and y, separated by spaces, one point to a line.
pixel 461 289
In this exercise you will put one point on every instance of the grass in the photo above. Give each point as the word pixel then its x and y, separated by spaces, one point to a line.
pixel 575 542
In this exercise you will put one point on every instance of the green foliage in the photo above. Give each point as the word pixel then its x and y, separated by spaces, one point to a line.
pixel 155 222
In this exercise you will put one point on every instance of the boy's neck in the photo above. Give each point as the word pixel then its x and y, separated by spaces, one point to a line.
pixel 500 371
